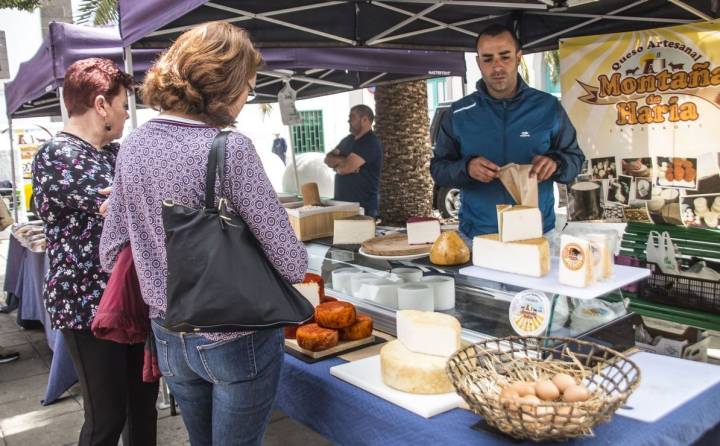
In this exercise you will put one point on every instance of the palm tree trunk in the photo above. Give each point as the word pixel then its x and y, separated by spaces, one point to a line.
pixel 402 125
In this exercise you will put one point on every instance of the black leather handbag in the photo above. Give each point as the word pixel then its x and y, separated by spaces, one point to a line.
pixel 219 278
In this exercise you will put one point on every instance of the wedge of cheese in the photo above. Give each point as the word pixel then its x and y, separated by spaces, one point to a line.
pixel 412 372
pixel 353 230
pixel 528 257
pixel 602 256
pixel 428 332
pixel 519 223
pixel 422 230
pixel 576 262
pixel 310 291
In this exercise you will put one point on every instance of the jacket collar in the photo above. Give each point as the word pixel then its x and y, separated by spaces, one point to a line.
pixel 482 91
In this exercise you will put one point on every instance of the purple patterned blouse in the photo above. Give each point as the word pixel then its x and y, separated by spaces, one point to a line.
pixel 166 158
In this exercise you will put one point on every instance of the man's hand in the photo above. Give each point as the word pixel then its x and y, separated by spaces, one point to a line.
pixel 103 207
pixel 543 167
pixel 482 169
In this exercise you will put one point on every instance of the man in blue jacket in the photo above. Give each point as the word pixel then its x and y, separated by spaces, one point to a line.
pixel 504 121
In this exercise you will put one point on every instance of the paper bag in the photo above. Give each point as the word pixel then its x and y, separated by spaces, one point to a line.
pixel 521 187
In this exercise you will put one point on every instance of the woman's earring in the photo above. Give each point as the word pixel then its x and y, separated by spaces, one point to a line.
pixel 108 127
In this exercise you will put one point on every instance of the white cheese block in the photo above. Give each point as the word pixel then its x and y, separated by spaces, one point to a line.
pixel 353 230
pixel 602 256
pixel 427 332
pixel 519 223
pixel 576 262
pixel 527 257
pixel 423 230
pixel 310 291
pixel 412 372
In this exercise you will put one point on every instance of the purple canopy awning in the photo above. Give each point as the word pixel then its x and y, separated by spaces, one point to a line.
pixel 311 71
pixel 414 24
pixel 33 90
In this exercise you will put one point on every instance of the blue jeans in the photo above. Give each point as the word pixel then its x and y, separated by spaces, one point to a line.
pixel 225 389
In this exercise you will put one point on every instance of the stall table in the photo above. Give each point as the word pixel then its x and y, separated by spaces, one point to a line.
pixel 24 277
pixel 345 414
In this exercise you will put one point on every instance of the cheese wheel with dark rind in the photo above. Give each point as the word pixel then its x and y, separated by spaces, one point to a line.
pixel 335 314
pixel 316 338
pixel 362 328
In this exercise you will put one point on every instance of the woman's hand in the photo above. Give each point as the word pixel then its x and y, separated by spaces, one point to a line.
pixel 103 207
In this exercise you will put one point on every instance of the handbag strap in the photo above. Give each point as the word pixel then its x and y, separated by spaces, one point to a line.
pixel 216 162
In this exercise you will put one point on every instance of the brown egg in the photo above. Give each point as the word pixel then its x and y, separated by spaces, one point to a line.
pixel 576 393
pixel 524 388
pixel 529 402
pixel 509 398
pixel 563 381
pixel 546 390
pixel 563 414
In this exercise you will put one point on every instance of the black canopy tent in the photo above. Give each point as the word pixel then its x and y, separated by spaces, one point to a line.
pixel 414 24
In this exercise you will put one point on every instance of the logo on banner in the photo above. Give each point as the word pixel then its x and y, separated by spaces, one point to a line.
pixel 659 82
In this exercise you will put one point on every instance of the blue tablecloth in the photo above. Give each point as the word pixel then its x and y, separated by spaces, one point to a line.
pixel 25 277
pixel 347 415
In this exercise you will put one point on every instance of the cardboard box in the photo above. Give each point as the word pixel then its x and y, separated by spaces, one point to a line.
pixel 315 222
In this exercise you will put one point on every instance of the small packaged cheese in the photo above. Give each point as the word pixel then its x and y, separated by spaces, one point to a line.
pixel 576 262
pixel 427 332
pixel 519 223
pixel 602 256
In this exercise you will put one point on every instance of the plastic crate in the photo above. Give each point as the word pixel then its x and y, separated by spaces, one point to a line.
pixel 680 291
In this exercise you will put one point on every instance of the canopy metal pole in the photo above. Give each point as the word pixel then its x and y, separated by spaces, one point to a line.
pixel 292 154
pixel 63 108
pixel 12 168
pixel 132 104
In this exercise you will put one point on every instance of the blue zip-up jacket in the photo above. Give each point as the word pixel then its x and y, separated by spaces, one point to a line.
pixel 504 131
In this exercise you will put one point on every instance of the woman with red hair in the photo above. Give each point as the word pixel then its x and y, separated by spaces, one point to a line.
pixel 72 178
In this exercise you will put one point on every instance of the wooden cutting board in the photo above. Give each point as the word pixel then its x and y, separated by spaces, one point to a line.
pixel 393 245
pixel 341 347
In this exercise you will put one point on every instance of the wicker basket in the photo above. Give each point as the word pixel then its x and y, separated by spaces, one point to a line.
pixel 480 371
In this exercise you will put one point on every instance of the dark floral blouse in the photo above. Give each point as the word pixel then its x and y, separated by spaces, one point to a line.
pixel 67 174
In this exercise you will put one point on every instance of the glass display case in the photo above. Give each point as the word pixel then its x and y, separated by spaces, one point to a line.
pixel 481 306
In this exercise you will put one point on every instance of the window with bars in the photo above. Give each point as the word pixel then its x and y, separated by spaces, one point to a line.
pixel 308 136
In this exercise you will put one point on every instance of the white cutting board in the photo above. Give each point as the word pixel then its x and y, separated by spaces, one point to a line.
pixel 622 276
pixel 365 373
pixel 666 383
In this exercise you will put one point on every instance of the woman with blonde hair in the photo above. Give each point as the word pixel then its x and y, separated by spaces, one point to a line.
pixel 225 383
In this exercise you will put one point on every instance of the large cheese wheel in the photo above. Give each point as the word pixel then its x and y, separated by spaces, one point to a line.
pixel 335 314
pixel 362 328
pixel 413 372
pixel 316 338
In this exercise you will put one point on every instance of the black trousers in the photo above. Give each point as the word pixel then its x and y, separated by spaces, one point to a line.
pixel 110 376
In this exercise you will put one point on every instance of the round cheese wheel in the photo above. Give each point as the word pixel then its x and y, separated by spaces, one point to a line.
pixel 335 314
pixel 316 338
pixel 413 372
pixel 291 330
pixel 362 328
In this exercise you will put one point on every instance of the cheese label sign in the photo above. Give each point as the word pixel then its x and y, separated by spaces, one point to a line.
pixel 529 313
pixel 573 256
pixel 646 94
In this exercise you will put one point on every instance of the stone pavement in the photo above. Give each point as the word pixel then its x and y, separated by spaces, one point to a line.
pixel 23 421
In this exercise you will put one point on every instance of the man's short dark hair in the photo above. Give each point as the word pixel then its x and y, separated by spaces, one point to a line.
pixel 495 30
pixel 364 110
